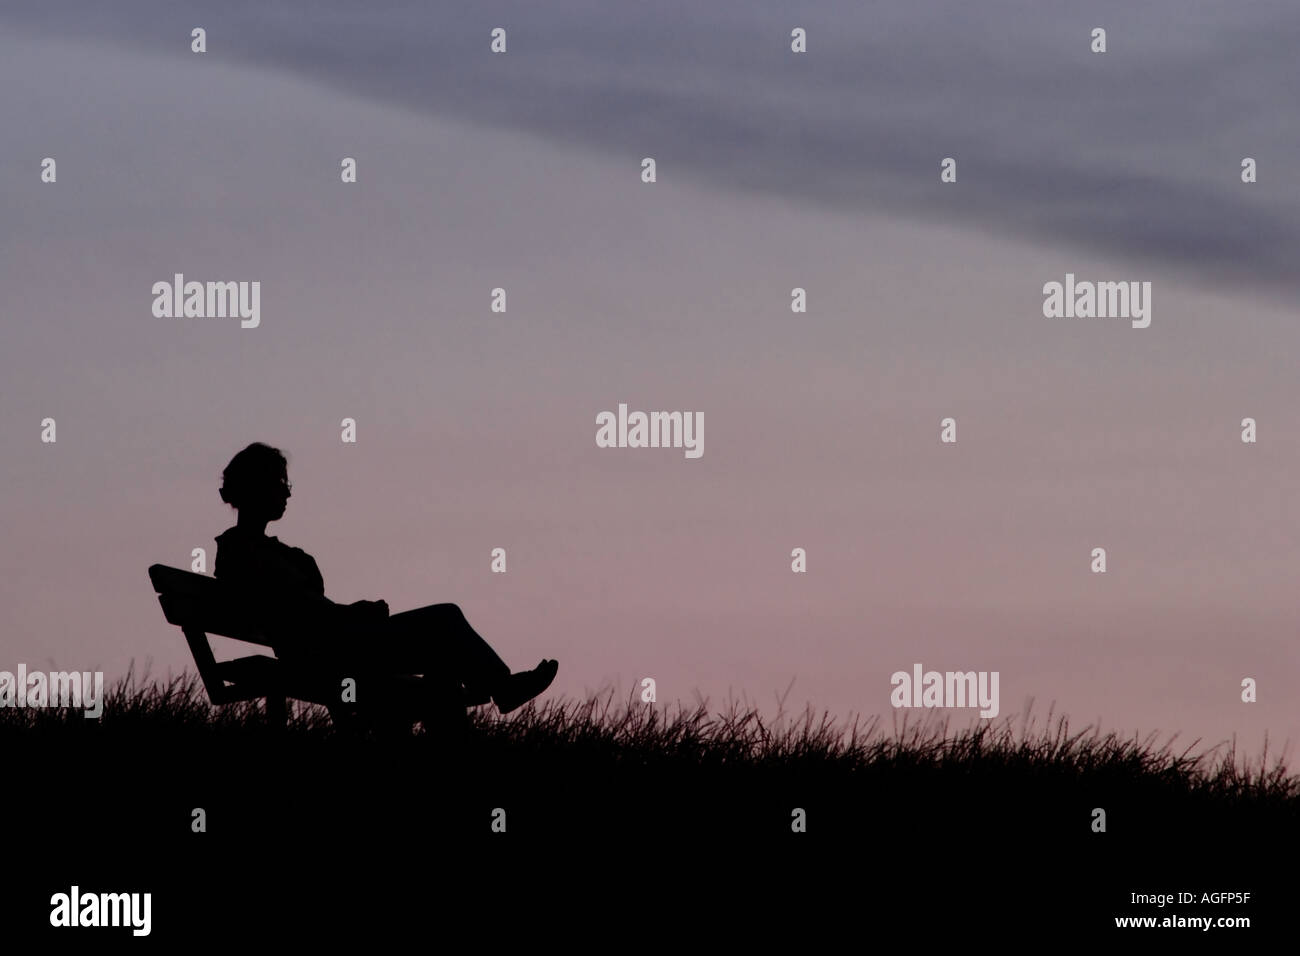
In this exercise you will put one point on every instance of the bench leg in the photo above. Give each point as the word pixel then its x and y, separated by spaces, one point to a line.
pixel 445 717
pixel 277 713
pixel 343 719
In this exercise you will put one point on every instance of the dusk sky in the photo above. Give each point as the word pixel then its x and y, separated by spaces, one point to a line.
pixel 476 430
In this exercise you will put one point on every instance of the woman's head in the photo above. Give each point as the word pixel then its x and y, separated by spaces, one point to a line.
pixel 257 481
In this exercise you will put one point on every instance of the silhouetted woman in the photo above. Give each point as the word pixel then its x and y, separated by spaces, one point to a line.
pixel 287 584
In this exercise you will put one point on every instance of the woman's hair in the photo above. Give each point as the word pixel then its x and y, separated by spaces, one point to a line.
pixel 250 471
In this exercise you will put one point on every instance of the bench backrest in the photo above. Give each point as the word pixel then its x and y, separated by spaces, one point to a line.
pixel 198 602
pixel 200 606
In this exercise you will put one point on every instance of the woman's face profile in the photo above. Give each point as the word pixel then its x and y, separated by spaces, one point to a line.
pixel 271 495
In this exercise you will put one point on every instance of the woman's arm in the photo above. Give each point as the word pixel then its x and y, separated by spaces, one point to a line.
pixel 286 588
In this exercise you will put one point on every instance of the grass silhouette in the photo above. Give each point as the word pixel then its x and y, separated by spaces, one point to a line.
pixel 595 786
pixel 557 747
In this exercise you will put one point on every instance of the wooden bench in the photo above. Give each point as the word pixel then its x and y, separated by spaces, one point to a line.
pixel 202 605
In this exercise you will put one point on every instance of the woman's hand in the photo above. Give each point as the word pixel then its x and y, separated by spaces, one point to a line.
pixel 372 609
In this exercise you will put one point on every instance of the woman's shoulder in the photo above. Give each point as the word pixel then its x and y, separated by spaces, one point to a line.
pixel 236 534
pixel 277 543
pixel 296 553
pixel 236 538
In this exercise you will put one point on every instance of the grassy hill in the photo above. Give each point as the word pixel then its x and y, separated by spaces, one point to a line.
pixel 598 789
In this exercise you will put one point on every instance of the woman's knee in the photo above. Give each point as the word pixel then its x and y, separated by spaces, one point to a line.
pixel 451 611
pixel 432 618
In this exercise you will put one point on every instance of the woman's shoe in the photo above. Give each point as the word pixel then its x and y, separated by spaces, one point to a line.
pixel 518 689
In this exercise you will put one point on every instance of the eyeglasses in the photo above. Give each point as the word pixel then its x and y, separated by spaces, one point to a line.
pixel 286 485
